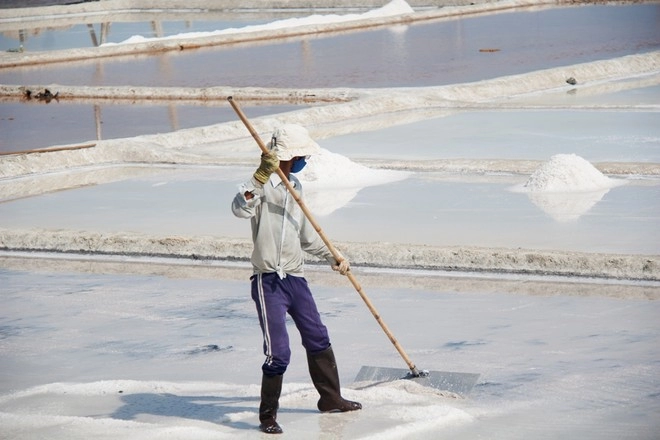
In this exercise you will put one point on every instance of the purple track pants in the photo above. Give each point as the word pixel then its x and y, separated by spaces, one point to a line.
pixel 274 298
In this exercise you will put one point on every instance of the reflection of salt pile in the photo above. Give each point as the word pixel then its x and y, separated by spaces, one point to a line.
pixel 332 180
pixel 567 186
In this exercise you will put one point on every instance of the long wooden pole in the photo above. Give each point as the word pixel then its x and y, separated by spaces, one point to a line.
pixel 413 369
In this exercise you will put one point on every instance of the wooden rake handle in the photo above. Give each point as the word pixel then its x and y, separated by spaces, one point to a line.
pixel 413 369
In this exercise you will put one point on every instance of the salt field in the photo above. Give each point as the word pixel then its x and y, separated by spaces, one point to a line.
pixel 71 122
pixel 503 219
pixel 167 351
pixel 396 56
pixel 486 212
pixel 412 55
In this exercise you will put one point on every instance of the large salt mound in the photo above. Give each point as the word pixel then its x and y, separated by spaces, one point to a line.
pixel 568 173
pixel 331 181
pixel 330 171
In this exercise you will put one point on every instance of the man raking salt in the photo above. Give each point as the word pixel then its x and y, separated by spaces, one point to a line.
pixel 281 233
pixel 298 140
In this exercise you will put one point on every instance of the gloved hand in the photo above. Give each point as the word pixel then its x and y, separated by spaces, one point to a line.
pixel 342 266
pixel 269 164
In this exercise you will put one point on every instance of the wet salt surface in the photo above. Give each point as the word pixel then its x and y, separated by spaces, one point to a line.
pixel 596 135
pixel 601 133
pixel 41 125
pixel 553 365
pixel 38 125
pixel 33 3
pixel 421 54
pixel 92 34
pixel 425 209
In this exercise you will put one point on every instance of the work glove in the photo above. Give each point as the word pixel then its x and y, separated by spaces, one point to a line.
pixel 342 265
pixel 269 164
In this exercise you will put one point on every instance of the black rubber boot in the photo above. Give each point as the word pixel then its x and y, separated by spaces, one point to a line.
pixel 323 370
pixel 271 387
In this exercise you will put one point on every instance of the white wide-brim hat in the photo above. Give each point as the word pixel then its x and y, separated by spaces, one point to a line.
pixel 292 140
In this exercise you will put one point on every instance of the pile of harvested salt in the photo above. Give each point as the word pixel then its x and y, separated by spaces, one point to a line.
pixel 568 173
pixel 331 181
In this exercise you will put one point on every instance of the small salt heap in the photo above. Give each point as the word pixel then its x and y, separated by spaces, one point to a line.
pixel 568 173
pixel 567 187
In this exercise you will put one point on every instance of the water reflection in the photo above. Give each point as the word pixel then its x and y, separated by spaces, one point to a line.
pixel 35 124
pixel 426 54
pixel 567 207
pixel 105 28
pixel 38 34
pixel 51 38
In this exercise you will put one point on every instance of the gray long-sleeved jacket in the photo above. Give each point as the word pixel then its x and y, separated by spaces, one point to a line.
pixel 280 230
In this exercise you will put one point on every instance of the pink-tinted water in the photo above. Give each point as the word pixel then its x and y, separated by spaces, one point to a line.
pixel 424 54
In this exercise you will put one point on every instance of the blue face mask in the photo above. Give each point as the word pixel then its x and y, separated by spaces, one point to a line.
pixel 298 165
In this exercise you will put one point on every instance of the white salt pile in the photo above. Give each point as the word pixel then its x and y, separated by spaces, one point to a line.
pixel 567 187
pixel 331 170
pixel 568 173
pixel 331 180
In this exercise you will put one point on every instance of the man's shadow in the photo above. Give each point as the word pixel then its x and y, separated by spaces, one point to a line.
pixel 213 409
